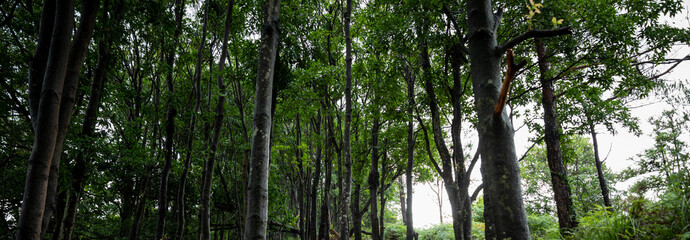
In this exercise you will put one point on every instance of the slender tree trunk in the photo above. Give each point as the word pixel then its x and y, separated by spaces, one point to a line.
pixel 257 190
pixel 597 161
pixel 196 95
pixel 139 212
pixel 46 123
pixel 401 195
pixel 207 178
pixel 382 193
pixel 554 156
pixel 325 223
pixel 356 214
pixel 347 187
pixel 170 126
pixel 374 178
pixel 409 78
pixel 504 211
pixel 315 181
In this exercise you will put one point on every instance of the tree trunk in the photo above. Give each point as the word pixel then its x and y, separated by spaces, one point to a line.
pixel 315 180
pixel 325 223
pixel 382 193
pixel 77 53
pixel 374 178
pixel 79 171
pixel 504 211
pixel 347 188
pixel 169 126
pixel 407 213
pixel 140 206
pixel 401 194
pixel 207 176
pixel 554 156
pixel 196 95
pixel 597 161
pixel 356 214
pixel 46 123
pixel 257 189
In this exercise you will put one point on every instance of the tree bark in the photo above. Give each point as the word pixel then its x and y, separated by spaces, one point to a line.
pixel 170 126
pixel 257 189
pixel 315 181
pixel 504 211
pixel 325 223
pixel 374 178
pixel 554 156
pixel 46 123
pixel 356 214
pixel 207 176
pixel 597 161
pixel 77 53
pixel 410 153
pixel 347 187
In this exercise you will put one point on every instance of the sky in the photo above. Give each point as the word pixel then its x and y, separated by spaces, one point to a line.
pixel 620 147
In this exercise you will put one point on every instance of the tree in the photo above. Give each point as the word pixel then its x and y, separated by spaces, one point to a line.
pixel 257 189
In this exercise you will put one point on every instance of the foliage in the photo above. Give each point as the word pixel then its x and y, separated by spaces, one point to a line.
pixel 543 226
pixel 581 172
pixel 437 232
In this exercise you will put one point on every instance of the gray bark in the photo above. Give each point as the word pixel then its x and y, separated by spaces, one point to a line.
pixel 46 123
pixel 257 189
pixel 597 161
pixel 347 187
pixel 504 211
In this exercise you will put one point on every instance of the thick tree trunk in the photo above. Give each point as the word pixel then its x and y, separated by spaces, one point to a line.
pixel 79 176
pixel 347 187
pixel 77 53
pixel 257 189
pixel 374 178
pixel 597 161
pixel 169 126
pixel 46 123
pixel 504 211
pixel 554 156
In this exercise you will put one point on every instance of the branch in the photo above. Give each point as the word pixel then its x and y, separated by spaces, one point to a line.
pixel 510 75
pixel 428 148
pixel 532 34
pixel 476 192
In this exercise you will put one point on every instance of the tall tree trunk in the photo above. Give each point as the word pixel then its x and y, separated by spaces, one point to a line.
pixel 356 214
pixel 374 178
pixel 315 181
pixel 139 212
pixel 382 189
pixel 257 189
pixel 302 179
pixel 46 123
pixel 196 95
pixel 504 211
pixel 597 161
pixel 403 202
pixel 79 172
pixel 554 156
pixel 347 187
pixel 409 78
pixel 207 178
pixel 77 53
pixel 325 223
pixel 169 126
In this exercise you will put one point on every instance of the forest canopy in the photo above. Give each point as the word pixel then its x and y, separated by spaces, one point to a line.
pixel 272 119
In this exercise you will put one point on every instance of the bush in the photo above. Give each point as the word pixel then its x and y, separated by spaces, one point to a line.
pixel 395 231
pixel 543 226
pixel 442 231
